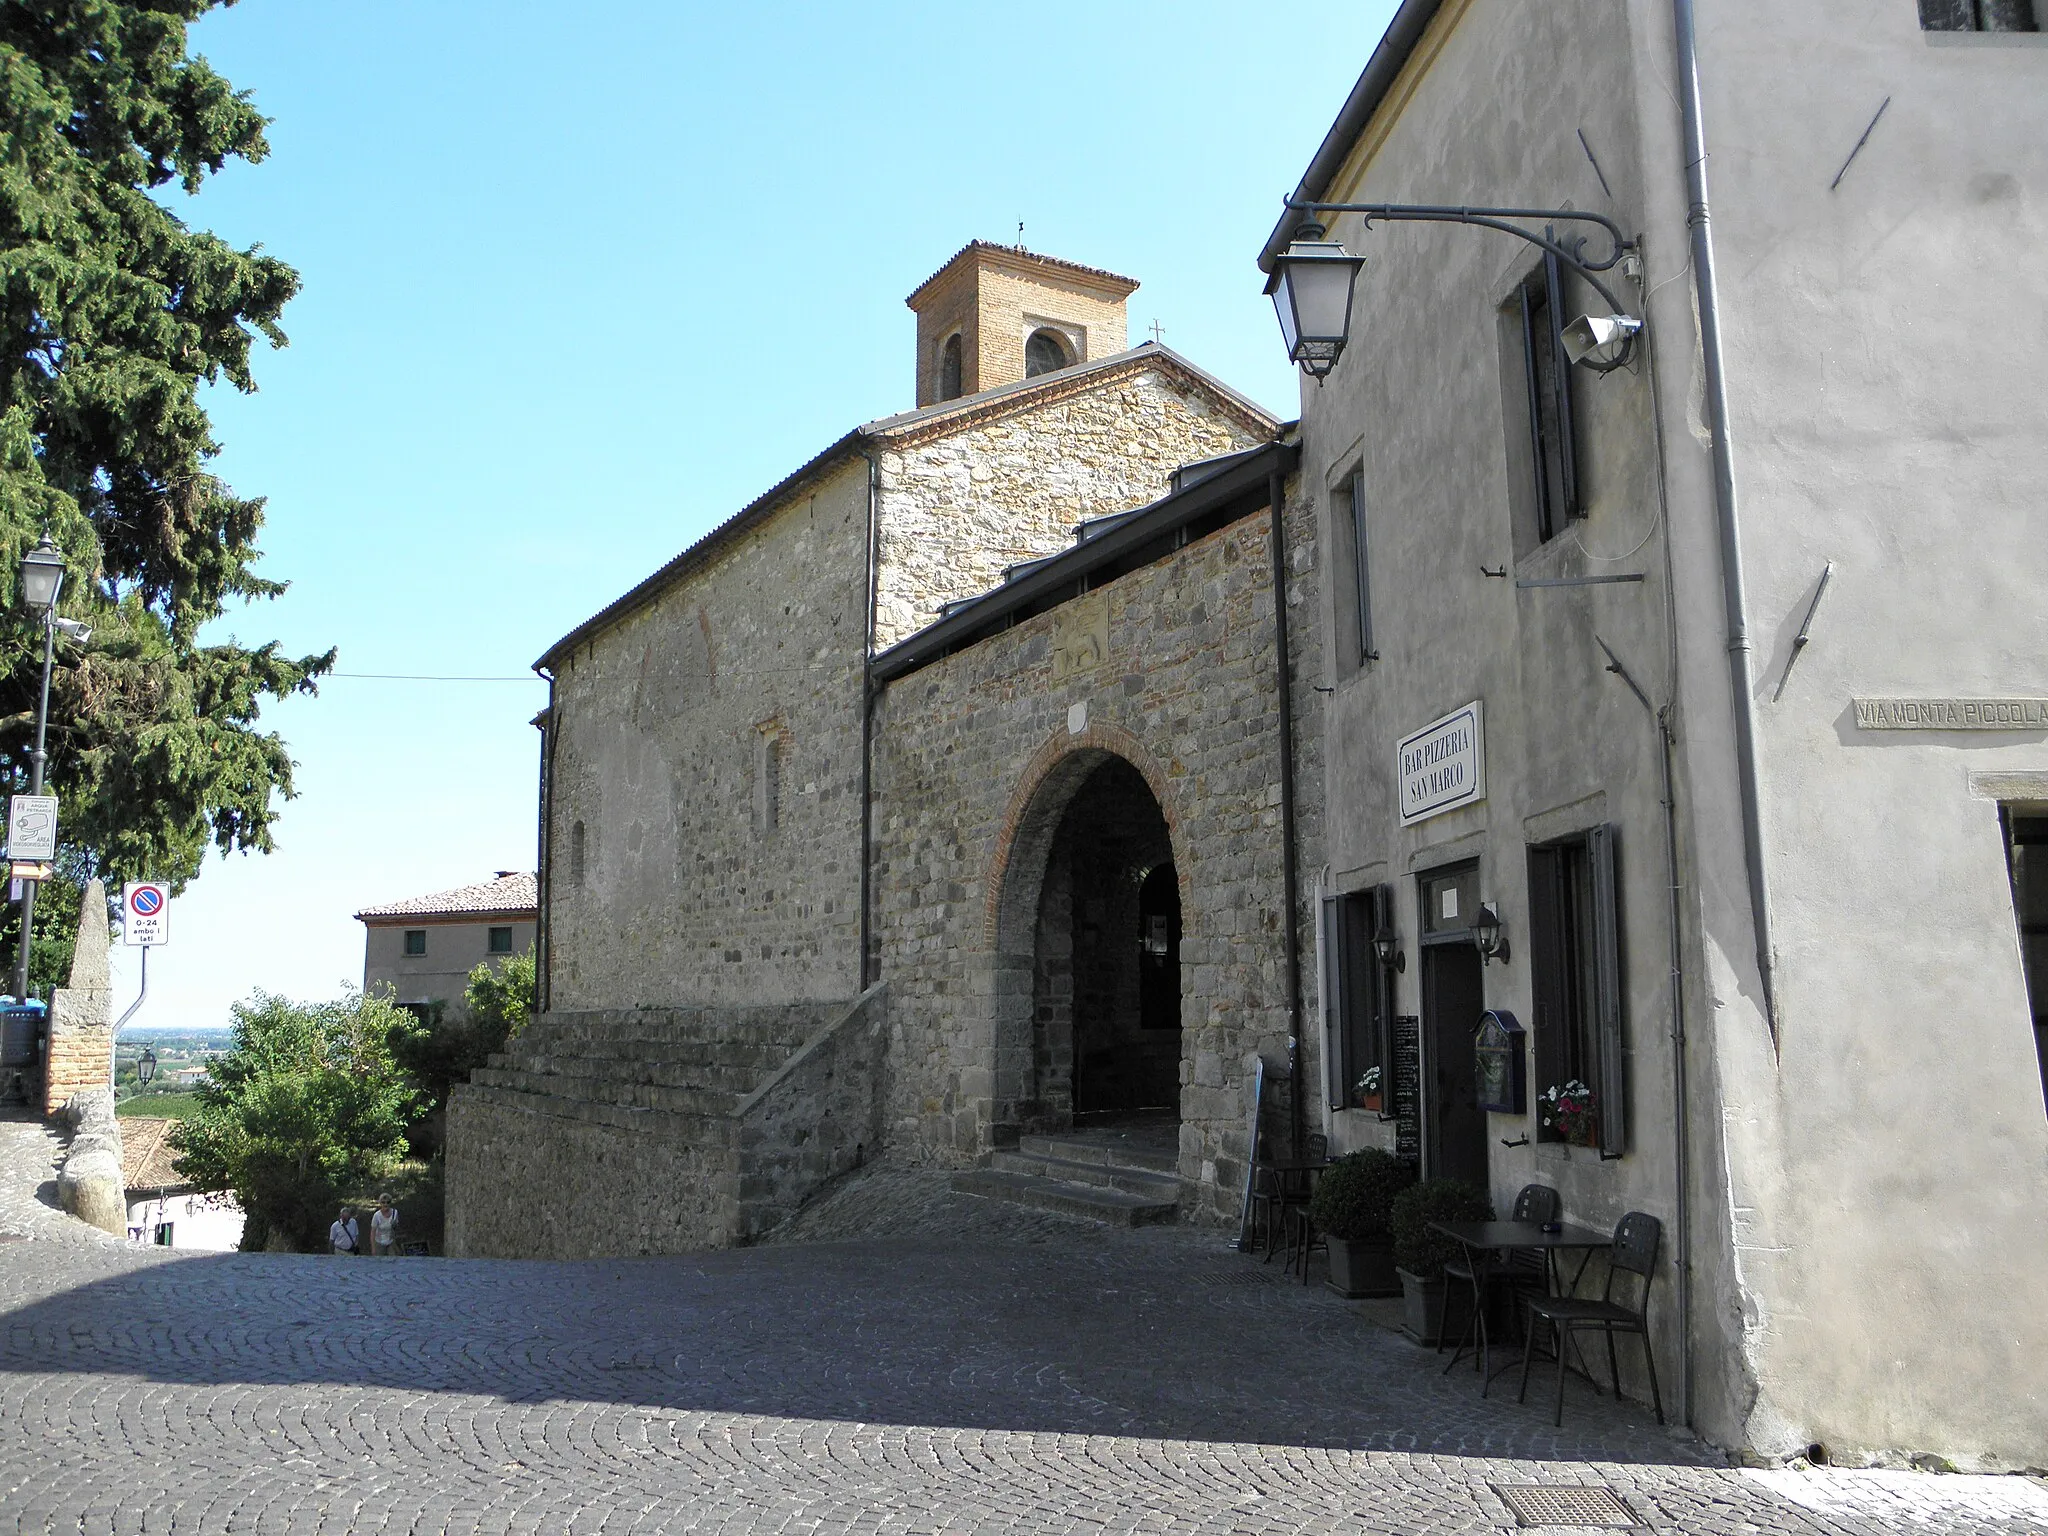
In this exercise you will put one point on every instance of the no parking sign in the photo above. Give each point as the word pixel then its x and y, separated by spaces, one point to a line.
pixel 148 908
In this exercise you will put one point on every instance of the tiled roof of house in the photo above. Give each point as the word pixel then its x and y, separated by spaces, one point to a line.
pixel 511 892
pixel 1114 279
pixel 148 1161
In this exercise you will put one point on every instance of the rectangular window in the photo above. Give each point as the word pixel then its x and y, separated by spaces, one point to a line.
pixel 767 777
pixel 1978 16
pixel 1538 318
pixel 415 941
pixel 501 941
pixel 1575 975
pixel 1354 617
pixel 1358 999
pixel 2026 853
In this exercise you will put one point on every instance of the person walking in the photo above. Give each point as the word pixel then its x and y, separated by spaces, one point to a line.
pixel 384 1229
pixel 344 1237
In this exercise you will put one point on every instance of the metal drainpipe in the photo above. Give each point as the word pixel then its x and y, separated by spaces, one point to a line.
pixel 1733 599
pixel 1275 502
pixel 867 728
pixel 544 865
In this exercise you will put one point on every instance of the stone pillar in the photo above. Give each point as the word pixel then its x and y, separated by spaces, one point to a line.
pixel 81 1048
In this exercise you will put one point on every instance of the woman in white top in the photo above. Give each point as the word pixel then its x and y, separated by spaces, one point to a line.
pixel 384 1229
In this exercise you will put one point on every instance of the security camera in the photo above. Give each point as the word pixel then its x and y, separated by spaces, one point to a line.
pixel 1601 342
pixel 75 629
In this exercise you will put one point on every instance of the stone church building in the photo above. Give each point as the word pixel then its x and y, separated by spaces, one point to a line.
pixel 939 798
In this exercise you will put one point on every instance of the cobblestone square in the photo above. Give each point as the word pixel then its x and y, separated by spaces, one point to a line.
pixel 1014 1374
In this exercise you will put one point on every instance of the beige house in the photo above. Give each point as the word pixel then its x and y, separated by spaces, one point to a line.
pixel 1717 678
pixel 422 950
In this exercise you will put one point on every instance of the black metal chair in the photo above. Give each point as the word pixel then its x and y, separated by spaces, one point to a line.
pixel 1634 1253
pixel 1297 1186
pixel 1525 1269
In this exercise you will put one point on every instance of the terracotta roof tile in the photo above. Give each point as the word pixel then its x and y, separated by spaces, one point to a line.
pixel 512 891
pixel 148 1161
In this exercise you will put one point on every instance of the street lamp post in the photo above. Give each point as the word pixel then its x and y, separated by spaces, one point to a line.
pixel 42 578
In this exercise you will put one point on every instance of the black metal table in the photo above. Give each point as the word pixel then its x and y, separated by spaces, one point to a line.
pixel 1482 1240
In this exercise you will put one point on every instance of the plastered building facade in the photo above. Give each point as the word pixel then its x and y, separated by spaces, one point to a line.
pixel 783 776
pixel 1813 1036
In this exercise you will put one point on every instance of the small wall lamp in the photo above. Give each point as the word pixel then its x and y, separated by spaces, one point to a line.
pixel 145 1069
pixel 1388 947
pixel 1489 935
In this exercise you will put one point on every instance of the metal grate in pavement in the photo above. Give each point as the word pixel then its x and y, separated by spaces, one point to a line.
pixel 1558 1504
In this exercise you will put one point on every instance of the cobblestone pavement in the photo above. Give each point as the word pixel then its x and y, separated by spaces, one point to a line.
pixel 1102 1382
pixel 29 1154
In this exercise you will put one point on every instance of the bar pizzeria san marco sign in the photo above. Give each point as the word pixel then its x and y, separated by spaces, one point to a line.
pixel 1443 765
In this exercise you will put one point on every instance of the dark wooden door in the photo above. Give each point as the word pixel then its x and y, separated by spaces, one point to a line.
pixel 1454 1126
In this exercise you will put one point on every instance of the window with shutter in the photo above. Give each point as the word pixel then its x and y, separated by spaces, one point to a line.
pixel 1553 459
pixel 1576 979
pixel 1358 999
pixel 1354 617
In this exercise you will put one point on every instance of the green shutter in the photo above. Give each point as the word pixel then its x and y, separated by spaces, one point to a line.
pixel 1613 1087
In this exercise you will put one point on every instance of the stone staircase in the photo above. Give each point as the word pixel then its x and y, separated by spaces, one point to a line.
pixel 1121 1176
pixel 732 1116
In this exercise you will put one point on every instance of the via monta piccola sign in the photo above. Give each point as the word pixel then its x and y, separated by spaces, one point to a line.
pixel 1443 765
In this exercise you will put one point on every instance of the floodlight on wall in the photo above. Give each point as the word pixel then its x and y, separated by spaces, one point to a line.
pixel 42 575
pixel 1601 342
pixel 1312 277
pixel 1311 292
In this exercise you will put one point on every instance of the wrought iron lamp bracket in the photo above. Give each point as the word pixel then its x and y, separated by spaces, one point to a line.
pixel 1571 252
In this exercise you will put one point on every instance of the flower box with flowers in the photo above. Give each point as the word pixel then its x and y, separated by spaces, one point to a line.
pixel 1365 1093
pixel 1569 1113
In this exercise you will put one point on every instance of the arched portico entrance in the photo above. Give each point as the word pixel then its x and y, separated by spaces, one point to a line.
pixel 1088 927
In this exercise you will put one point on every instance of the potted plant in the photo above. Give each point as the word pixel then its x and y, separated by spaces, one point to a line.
pixel 1420 1251
pixel 1569 1113
pixel 1352 1207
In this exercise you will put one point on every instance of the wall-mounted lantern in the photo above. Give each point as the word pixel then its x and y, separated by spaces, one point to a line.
pixel 1489 935
pixel 1387 945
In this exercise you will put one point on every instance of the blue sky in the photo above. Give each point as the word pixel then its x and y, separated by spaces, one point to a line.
pixel 581 281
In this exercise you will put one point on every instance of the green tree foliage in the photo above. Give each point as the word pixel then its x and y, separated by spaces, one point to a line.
pixel 112 315
pixel 453 1043
pixel 304 1110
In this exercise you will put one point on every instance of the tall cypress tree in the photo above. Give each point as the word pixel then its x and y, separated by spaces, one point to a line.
pixel 112 312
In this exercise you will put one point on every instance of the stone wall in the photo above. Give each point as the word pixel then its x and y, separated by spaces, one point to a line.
pixel 960 507
pixel 81 1040
pixel 816 1117
pixel 708 748
pixel 976 758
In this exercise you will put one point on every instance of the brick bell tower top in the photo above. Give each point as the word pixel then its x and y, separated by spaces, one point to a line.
pixel 998 314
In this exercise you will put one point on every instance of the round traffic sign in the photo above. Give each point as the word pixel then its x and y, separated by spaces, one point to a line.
pixel 147 901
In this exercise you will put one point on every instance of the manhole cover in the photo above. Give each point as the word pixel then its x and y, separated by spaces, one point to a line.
pixel 1554 1504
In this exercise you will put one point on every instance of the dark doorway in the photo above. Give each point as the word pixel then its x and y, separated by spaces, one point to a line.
pixel 1106 987
pixel 1453 998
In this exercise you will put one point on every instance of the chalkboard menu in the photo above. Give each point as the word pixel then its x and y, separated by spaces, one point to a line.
pixel 1407 1074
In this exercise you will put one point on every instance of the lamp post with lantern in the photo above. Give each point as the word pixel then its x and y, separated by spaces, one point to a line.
pixel 42 578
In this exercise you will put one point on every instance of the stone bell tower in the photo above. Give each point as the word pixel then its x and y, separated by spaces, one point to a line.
pixel 997 314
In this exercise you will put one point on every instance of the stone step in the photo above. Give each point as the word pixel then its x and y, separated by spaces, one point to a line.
pixel 1134 1158
pixel 656 1073
pixel 1153 1185
pixel 703 1102
pixel 714 1138
pixel 1091 1202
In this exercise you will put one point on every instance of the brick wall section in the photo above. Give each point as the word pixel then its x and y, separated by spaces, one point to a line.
pixel 683 898
pixel 994 298
pixel 80 1045
pixel 1187 696
pixel 960 508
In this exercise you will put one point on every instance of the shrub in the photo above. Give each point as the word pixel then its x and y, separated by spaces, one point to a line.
pixel 1354 1196
pixel 1419 1249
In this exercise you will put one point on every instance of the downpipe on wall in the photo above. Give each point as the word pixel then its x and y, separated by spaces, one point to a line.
pixel 867 729
pixel 1734 600
pixel 1276 496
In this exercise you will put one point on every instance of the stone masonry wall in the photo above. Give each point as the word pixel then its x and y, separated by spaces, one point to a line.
pixel 683 892
pixel 965 751
pixel 958 509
